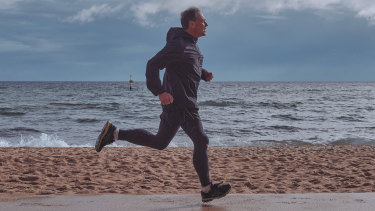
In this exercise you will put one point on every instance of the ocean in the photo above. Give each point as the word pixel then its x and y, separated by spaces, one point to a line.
pixel 71 114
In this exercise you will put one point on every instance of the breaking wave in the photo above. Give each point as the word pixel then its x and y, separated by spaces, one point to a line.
pixel 44 140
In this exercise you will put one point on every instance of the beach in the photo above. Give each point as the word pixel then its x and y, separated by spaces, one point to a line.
pixel 29 172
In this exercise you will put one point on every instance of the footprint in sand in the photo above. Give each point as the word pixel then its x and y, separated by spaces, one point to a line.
pixel 29 178
pixel 314 181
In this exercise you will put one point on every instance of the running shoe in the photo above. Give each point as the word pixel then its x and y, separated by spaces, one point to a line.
pixel 105 137
pixel 217 191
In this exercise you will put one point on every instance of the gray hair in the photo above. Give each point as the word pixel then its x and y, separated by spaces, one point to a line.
pixel 189 14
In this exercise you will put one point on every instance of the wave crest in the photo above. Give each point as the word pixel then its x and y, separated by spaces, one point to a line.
pixel 44 140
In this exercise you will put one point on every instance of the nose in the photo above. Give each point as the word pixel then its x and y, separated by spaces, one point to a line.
pixel 205 23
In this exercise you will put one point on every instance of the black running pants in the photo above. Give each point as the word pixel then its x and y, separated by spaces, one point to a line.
pixel 170 122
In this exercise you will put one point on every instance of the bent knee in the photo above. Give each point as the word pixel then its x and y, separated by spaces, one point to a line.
pixel 161 146
pixel 202 142
pixel 205 140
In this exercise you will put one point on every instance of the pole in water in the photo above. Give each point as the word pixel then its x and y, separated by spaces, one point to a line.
pixel 130 82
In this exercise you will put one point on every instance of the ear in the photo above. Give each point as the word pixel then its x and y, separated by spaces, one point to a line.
pixel 191 24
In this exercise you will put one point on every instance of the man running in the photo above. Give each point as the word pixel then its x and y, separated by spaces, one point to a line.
pixel 178 95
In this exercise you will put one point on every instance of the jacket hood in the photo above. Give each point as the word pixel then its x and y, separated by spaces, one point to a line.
pixel 177 32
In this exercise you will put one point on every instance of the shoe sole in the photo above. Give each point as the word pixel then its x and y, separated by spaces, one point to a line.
pixel 210 199
pixel 101 136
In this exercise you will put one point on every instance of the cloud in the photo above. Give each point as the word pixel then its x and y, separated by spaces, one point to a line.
pixel 10 45
pixel 368 13
pixel 6 4
pixel 28 44
pixel 89 15
pixel 144 10
pixel 271 17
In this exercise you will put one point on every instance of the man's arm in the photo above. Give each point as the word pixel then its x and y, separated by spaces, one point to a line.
pixel 154 65
pixel 168 54
pixel 206 76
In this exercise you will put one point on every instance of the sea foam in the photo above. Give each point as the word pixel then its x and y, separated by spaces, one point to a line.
pixel 44 140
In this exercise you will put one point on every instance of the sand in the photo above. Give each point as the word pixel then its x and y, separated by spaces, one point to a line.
pixel 28 172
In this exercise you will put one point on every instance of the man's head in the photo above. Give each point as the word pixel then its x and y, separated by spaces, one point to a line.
pixel 193 22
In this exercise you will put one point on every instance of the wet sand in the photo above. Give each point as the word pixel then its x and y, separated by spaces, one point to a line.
pixel 28 172
pixel 237 202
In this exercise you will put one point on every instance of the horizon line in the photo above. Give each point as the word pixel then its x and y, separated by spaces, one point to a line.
pixel 203 81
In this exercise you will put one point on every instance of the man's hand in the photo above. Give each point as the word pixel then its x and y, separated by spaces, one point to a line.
pixel 165 98
pixel 209 76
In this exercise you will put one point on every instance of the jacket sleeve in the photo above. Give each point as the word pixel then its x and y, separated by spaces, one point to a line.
pixel 154 65
pixel 203 75
pixel 170 53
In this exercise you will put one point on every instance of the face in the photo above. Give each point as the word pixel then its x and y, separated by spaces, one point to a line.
pixel 199 26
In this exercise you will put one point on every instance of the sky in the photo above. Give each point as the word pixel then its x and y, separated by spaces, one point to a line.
pixel 247 40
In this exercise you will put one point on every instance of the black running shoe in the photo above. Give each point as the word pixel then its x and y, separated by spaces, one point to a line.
pixel 105 137
pixel 217 191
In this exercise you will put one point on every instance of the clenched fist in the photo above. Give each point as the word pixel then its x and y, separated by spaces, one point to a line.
pixel 165 98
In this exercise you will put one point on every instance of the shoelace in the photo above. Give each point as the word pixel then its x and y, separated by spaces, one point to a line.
pixel 218 184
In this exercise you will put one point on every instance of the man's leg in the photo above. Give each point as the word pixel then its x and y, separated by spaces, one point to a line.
pixel 168 127
pixel 194 129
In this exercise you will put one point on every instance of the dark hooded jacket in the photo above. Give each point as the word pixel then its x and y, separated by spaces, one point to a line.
pixel 183 63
